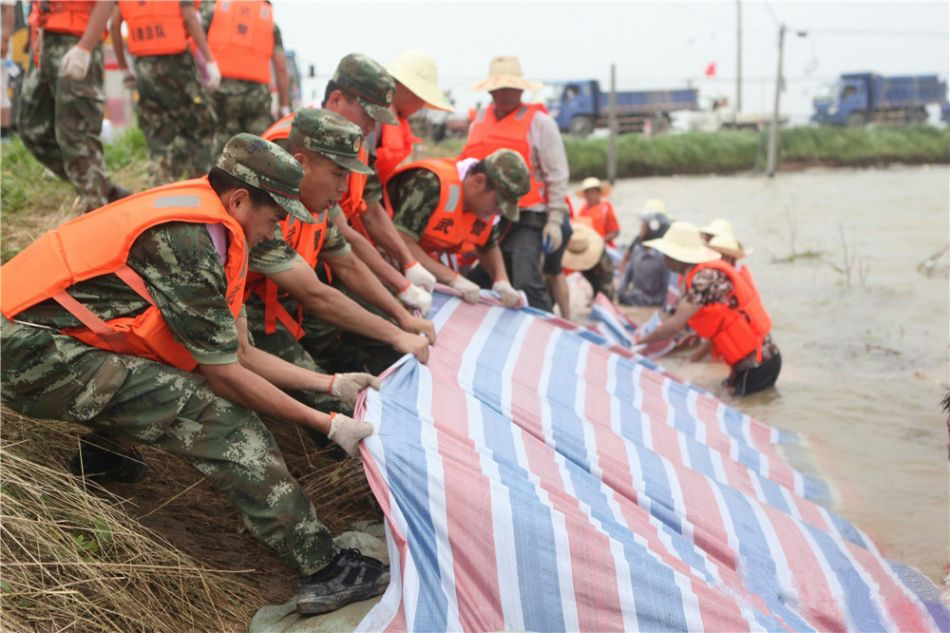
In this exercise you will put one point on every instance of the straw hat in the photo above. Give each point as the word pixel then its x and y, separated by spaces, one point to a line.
pixel 653 205
pixel 719 226
pixel 683 243
pixel 584 249
pixel 729 246
pixel 505 72
pixel 416 70
pixel 593 183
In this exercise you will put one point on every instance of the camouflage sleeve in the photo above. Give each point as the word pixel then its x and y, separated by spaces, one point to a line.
pixel 373 189
pixel 334 245
pixel 206 11
pixel 278 40
pixel 186 279
pixel 492 239
pixel 415 195
pixel 708 286
pixel 272 256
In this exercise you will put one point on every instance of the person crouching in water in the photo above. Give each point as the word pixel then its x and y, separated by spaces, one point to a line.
pixel 719 304
pixel 645 277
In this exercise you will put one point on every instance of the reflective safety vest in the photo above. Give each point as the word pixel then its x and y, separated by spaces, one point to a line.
pixel 395 146
pixel 155 27
pixel 450 226
pixel 735 332
pixel 241 39
pixel 488 134
pixel 64 17
pixel 98 243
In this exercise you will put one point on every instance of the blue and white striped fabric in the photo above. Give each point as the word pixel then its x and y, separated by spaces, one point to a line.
pixel 533 479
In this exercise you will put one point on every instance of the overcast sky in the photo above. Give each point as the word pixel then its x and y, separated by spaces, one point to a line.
pixel 654 45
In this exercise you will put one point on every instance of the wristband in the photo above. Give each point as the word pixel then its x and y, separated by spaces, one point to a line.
pixel 410 265
pixel 330 388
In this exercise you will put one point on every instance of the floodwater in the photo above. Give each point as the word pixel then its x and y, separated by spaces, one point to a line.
pixel 865 359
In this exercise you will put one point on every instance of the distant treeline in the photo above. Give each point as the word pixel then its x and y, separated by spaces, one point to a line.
pixel 728 151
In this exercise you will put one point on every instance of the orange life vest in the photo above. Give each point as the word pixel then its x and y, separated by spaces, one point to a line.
pixel 735 332
pixel 450 226
pixel 597 215
pixel 155 27
pixel 488 134
pixel 241 39
pixel 97 244
pixel 395 146
pixel 63 17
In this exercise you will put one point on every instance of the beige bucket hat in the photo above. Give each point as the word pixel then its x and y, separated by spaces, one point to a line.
pixel 653 205
pixel 683 243
pixel 505 72
pixel 584 249
pixel 593 183
pixel 416 70
pixel 729 246
pixel 719 226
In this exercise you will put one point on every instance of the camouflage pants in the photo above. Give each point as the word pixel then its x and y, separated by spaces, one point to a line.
pixel 176 116
pixel 133 400
pixel 601 276
pixel 241 106
pixel 60 119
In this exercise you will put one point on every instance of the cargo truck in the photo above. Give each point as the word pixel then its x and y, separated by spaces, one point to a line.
pixel 860 98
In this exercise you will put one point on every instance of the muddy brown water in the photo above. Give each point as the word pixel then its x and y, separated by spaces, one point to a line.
pixel 865 359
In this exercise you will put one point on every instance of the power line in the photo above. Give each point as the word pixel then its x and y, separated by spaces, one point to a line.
pixel 768 7
pixel 876 33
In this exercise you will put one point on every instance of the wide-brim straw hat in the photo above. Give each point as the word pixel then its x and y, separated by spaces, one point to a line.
pixel 593 183
pixel 729 246
pixel 653 205
pixel 719 226
pixel 683 243
pixel 584 249
pixel 416 70
pixel 505 72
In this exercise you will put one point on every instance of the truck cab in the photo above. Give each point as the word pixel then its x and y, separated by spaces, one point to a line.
pixel 575 105
pixel 847 103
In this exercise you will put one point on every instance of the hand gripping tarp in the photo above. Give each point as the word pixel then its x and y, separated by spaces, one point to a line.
pixel 533 479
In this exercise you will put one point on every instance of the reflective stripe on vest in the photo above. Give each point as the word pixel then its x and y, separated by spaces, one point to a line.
pixel 449 226
pixel 155 27
pixel 488 134
pixel 241 39
pixel 735 332
pixel 97 244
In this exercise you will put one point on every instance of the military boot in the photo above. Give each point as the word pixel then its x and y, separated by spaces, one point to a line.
pixel 101 459
pixel 349 577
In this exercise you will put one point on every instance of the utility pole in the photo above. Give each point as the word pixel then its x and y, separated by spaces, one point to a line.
pixel 773 131
pixel 738 56
pixel 612 119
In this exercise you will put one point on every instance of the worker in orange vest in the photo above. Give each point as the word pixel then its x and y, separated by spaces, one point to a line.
pixel 440 205
pixel 173 108
pixel 292 304
pixel 129 320
pixel 529 130
pixel 719 305
pixel 597 210
pixel 245 41
pixel 59 115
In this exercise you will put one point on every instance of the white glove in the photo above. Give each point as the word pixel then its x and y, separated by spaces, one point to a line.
pixel 347 432
pixel 214 76
pixel 468 289
pixel 510 297
pixel 283 111
pixel 419 276
pixel 75 63
pixel 552 236
pixel 416 297
pixel 348 386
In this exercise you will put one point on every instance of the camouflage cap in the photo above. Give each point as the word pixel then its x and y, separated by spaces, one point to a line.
pixel 510 176
pixel 264 165
pixel 370 82
pixel 331 135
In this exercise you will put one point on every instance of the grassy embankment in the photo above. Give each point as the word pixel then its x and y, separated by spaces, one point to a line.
pixel 736 151
pixel 168 554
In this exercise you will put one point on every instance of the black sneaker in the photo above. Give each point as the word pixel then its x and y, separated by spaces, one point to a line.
pixel 117 192
pixel 102 459
pixel 348 578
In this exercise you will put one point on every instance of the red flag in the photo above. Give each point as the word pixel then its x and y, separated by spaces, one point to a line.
pixel 711 69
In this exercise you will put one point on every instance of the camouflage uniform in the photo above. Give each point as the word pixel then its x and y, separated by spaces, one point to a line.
pixel 48 374
pixel 240 106
pixel 175 115
pixel 60 119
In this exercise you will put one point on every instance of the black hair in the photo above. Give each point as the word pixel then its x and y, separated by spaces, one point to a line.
pixel 334 85
pixel 479 168
pixel 222 182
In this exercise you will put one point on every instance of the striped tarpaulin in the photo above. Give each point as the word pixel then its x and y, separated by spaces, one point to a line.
pixel 533 479
pixel 619 330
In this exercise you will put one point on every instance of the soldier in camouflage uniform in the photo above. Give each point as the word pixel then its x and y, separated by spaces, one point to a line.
pixel 489 186
pixel 59 116
pixel 130 399
pixel 174 110
pixel 340 334
pixel 242 105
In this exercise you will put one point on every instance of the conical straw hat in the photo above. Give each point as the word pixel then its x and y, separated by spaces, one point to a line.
pixel 505 72
pixel 683 243
pixel 416 71
pixel 729 246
